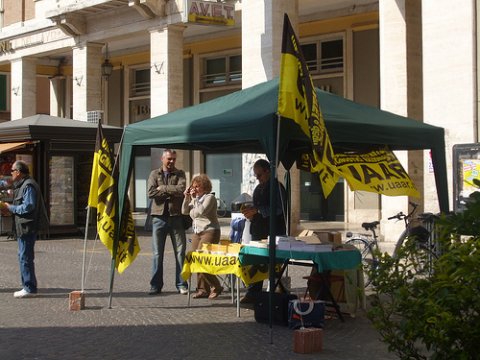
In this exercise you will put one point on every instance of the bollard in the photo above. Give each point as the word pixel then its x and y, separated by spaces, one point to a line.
pixel 76 301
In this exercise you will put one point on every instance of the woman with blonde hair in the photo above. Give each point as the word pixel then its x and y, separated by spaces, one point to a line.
pixel 202 208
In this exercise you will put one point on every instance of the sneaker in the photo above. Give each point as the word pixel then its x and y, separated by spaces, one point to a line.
pixel 183 291
pixel 22 294
pixel 154 291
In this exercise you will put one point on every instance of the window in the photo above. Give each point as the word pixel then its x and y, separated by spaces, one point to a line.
pixel 223 70
pixel 324 56
pixel 3 92
pixel 140 82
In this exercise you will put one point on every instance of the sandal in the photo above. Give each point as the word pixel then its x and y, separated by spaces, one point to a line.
pixel 214 294
pixel 200 294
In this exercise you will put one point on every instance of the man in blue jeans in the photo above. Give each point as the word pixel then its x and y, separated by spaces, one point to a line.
pixel 165 188
pixel 29 217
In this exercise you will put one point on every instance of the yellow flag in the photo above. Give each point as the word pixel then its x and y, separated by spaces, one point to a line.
pixel 103 196
pixel 297 100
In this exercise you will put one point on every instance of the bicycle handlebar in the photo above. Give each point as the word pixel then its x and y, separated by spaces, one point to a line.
pixel 398 216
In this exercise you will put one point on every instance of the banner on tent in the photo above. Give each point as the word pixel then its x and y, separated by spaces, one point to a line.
pixel 221 264
pixel 376 171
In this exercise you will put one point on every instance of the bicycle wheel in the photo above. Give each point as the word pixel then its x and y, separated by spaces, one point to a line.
pixel 221 208
pixel 369 262
pixel 423 260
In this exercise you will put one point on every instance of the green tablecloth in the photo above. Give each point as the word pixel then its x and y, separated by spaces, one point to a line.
pixel 332 260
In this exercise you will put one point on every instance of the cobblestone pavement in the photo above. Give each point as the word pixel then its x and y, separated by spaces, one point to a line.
pixel 139 326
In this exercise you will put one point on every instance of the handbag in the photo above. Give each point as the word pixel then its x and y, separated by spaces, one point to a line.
pixel 187 221
pixel 279 308
pixel 306 313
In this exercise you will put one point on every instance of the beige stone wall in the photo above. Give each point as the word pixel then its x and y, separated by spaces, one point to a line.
pixel 13 11
pixel 29 9
pixel 449 72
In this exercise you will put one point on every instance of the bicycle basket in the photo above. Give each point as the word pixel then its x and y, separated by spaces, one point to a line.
pixel 419 233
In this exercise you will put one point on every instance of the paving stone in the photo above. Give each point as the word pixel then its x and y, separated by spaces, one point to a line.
pixel 139 326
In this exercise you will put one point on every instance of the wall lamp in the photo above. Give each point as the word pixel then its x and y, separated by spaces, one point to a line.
pixel 107 66
pixel 107 69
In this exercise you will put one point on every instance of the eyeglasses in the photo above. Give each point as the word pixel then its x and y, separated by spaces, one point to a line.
pixel 13 170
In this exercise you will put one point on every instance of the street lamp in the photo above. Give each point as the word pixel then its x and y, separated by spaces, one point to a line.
pixel 107 69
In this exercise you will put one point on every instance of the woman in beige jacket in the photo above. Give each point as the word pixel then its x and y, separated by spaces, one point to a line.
pixel 202 208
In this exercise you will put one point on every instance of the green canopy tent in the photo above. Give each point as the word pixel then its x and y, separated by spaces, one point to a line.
pixel 246 121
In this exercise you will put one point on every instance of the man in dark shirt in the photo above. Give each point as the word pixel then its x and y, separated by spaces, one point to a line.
pixel 259 216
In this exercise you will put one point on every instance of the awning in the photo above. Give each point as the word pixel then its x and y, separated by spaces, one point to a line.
pixel 12 146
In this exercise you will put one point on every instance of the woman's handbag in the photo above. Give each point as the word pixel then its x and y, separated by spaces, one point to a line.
pixel 187 221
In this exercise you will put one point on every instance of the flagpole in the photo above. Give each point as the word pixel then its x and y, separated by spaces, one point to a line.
pixel 117 230
pixel 87 223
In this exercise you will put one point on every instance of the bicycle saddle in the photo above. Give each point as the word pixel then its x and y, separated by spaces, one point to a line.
pixel 370 225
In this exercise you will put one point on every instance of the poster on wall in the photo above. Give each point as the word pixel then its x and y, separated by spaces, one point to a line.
pixel 466 168
pixel 6 162
pixel 27 159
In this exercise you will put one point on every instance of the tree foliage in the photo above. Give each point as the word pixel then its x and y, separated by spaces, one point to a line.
pixel 433 316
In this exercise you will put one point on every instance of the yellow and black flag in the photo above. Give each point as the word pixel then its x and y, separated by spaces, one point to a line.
pixel 297 100
pixel 104 197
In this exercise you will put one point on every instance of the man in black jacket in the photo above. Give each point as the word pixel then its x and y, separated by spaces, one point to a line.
pixel 259 216
pixel 29 217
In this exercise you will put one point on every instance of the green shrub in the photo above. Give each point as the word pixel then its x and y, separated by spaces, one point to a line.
pixel 436 316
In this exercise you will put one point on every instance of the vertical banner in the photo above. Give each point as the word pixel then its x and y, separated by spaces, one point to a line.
pixel 297 100
pixel 104 196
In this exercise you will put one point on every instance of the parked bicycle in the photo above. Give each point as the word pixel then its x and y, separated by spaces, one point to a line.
pixel 222 209
pixel 425 253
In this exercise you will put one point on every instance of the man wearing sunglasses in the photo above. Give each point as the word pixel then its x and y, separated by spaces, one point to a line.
pixel 29 216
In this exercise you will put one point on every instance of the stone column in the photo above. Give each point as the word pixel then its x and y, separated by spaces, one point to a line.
pixel 451 97
pixel 166 77
pixel 166 74
pixel 57 98
pixel 24 88
pixel 401 88
pixel 86 79
pixel 262 29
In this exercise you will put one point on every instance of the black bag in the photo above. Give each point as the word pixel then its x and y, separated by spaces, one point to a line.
pixel 187 221
pixel 306 313
pixel 279 310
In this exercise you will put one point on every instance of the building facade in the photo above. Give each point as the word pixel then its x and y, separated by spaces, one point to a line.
pixel 129 60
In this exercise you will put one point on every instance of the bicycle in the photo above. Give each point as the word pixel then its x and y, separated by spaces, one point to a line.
pixel 222 210
pixel 425 253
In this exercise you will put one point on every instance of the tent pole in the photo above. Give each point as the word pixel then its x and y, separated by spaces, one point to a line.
pixel 272 225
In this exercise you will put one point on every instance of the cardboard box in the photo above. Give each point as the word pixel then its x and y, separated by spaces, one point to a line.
pixel 307 340
pixel 234 248
pixel 334 237
pixel 76 301
pixel 225 241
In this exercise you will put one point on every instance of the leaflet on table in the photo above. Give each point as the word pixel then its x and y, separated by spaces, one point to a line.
pixel 259 244
pixel 292 244
pixel 299 245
